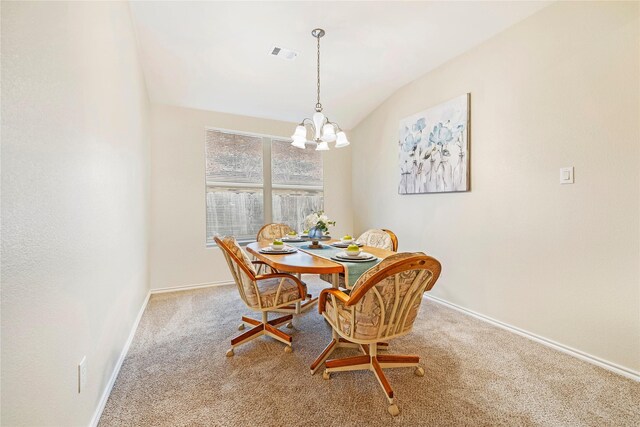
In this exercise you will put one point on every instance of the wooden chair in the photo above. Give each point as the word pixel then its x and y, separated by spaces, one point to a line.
pixel 272 231
pixel 273 292
pixel 394 239
pixel 377 238
pixel 382 305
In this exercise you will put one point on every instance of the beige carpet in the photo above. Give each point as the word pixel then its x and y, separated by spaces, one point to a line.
pixel 176 374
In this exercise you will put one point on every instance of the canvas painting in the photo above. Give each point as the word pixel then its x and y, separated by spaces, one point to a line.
pixel 434 149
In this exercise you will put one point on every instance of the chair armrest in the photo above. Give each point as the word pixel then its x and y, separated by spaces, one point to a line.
pixel 257 262
pixel 301 286
pixel 322 299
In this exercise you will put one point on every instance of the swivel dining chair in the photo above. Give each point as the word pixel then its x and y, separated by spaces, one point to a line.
pixel 272 231
pixel 269 232
pixel 377 238
pixel 382 306
pixel 272 292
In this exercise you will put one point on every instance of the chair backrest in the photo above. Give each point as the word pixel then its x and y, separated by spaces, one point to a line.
pixel 242 270
pixel 394 239
pixel 273 231
pixel 384 239
pixel 387 297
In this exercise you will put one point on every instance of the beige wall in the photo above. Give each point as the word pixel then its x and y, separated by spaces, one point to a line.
pixel 562 261
pixel 178 255
pixel 74 204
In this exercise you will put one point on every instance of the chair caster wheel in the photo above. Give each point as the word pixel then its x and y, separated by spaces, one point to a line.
pixel 393 410
pixel 290 325
pixel 326 375
pixel 419 372
pixel 230 352
pixel 288 349
pixel 241 326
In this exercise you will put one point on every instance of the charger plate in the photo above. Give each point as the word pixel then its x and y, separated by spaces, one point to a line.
pixel 345 245
pixel 363 257
pixel 294 240
pixel 268 250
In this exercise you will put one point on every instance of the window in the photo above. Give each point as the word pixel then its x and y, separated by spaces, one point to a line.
pixel 252 180
pixel 296 182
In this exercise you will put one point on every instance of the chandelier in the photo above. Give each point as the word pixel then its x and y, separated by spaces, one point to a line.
pixel 324 131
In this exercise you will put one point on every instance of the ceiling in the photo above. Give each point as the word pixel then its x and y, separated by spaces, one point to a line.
pixel 214 55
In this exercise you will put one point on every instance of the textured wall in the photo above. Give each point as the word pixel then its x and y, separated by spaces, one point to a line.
pixel 561 88
pixel 75 189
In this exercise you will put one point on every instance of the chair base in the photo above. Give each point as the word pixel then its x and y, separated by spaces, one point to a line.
pixel 339 342
pixel 370 361
pixel 266 327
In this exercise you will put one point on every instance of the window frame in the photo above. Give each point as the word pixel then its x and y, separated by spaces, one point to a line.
pixel 267 185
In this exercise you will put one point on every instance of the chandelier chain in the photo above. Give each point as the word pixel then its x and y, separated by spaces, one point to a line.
pixel 318 104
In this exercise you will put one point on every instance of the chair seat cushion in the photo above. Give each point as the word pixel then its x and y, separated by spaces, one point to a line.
pixel 366 325
pixel 268 289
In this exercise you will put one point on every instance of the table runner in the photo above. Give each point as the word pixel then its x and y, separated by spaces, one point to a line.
pixel 352 270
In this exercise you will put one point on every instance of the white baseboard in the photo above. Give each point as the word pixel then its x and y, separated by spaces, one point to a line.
pixel 189 287
pixel 116 369
pixel 620 370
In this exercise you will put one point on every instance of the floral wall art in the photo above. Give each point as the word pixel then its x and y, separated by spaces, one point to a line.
pixel 434 149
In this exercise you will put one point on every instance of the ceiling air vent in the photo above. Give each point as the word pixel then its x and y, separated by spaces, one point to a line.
pixel 283 53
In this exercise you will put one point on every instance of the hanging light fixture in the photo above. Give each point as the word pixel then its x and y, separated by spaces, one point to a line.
pixel 324 131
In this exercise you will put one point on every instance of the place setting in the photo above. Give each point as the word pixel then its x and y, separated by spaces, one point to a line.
pixel 277 247
pixel 354 253
pixel 345 242
pixel 294 237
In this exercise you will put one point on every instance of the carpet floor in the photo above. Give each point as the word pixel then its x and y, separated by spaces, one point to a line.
pixel 176 374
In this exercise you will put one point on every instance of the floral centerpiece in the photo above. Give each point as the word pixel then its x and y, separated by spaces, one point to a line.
pixel 318 223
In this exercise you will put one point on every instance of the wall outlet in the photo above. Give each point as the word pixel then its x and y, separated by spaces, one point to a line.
pixel 82 374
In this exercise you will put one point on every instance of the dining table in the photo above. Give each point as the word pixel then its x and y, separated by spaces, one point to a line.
pixel 306 260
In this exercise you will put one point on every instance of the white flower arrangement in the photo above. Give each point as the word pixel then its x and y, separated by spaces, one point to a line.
pixel 319 220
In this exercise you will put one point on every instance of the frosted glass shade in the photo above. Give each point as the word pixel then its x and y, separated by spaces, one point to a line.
pixel 323 146
pixel 328 133
pixel 341 140
pixel 301 132
pixel 299 142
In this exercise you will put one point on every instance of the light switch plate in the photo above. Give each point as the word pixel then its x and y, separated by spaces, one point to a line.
pixel 566 175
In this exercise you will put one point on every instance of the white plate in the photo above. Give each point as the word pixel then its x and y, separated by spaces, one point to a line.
pixel 361 257
pixel 293 239
pixel 286 250
pixel 349 259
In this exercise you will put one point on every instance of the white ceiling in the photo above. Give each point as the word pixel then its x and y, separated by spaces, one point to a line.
pixel 214 55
